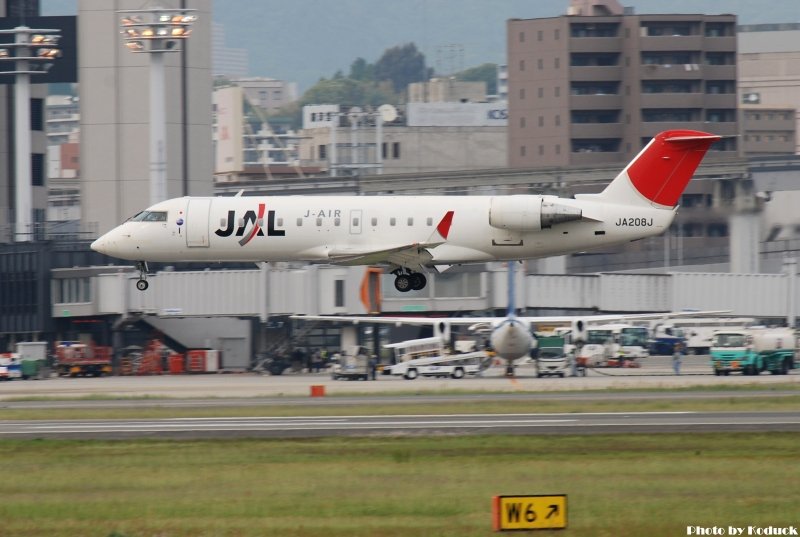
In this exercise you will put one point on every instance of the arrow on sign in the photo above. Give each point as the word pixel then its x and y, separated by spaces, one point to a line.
pixel 553 511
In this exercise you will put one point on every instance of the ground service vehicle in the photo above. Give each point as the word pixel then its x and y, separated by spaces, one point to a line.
pixel 614 345
pixel 354 365
pixel 33 358
pixel 10 367
pixel 753 350
pixel 699 331
pixel 551 357
pixel 663 338
pixel 429 357
pixel 447 365
pixel 78 359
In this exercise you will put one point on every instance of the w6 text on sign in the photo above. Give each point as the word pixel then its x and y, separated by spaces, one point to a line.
pixel 529 512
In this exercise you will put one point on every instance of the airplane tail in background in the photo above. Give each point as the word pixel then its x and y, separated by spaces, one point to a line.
pixel 512 290
pixel 660 172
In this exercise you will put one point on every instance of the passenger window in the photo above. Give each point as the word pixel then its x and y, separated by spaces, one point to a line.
pixel 279 223
pixel 374 221
pixel 337 221
pixel 319 221
pixel 299 222
pixel 429 221
pixel 410 221
pixel 355 222
pixel 392 221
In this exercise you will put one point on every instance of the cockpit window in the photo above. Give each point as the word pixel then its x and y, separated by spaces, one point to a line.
pixel 150 216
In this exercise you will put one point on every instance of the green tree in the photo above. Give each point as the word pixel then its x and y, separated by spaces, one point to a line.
pixel 402 65
pixel 345 91
pixel 367 84
pixel 360 69
pixel 486 72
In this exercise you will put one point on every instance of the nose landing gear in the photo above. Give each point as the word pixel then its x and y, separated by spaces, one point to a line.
pixel 410 281
pixel 142 284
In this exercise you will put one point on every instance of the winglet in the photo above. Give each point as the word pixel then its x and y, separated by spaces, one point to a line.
pixel 444 225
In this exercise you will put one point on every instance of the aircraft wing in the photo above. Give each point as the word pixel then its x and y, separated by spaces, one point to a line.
pixel 413 256
pixel 546 319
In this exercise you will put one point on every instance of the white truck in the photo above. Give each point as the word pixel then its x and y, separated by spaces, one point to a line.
pixel 699 331
pixel 551 356
pixel 614 345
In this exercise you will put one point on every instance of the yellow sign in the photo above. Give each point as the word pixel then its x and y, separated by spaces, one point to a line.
pixel 529 512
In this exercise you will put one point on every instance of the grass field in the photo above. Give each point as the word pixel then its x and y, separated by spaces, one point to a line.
pixel 620 485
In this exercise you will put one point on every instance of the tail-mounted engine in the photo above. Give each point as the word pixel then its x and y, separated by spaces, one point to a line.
pixel 530 213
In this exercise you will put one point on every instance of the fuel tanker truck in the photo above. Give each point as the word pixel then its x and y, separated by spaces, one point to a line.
pixel 753 350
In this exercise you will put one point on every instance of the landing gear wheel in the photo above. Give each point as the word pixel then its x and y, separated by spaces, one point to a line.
pixel 406 280
pixel 418 281
pixel 403 283
pixel 142 284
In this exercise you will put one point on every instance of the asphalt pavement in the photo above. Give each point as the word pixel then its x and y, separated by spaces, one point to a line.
pixel 655 372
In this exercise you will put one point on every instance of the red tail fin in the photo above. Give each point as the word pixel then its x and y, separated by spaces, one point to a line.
pixel 660 172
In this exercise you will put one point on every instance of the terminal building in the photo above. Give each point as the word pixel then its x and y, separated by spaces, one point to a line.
pixel 728 248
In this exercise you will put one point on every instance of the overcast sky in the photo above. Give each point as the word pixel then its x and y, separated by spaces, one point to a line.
pixel 305 40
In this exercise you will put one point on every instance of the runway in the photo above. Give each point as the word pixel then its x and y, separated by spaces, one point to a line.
pixel 403 425
pixel 651 382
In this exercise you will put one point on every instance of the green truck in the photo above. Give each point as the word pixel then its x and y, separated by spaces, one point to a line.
pixel 753 350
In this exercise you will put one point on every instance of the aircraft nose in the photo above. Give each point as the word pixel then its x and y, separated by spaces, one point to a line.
pixel 105 245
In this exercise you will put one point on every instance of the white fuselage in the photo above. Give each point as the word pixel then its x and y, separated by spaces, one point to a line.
pixel 322 228
pixel 511 339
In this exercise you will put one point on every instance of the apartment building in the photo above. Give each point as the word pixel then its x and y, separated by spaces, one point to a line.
pixel 593 87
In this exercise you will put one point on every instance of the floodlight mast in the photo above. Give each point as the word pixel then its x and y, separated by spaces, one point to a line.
pixel 156 31
pixel 32 52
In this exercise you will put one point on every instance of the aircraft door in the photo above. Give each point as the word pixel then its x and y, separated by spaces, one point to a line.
pixel 197 214
pixel 355 222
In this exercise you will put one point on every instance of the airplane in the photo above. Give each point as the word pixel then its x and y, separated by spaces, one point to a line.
pixel 511 336
pixel 414 235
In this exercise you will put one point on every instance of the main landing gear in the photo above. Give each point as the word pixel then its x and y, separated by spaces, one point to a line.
pixel 142 284
pixel 409 281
